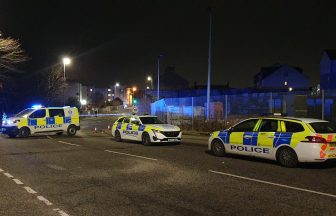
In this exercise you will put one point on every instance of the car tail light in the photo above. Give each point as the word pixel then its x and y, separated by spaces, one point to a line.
pixel 316 139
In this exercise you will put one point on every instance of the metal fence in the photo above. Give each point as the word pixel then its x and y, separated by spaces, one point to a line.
pixel 223 108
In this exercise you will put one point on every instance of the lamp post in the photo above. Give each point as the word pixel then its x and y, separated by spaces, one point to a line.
pixel 209 68
pixel 158 76
pixel 149 78
pixel 66 61
pixel 115 89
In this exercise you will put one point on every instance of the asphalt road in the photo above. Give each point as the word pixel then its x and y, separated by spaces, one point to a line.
pixel 91 174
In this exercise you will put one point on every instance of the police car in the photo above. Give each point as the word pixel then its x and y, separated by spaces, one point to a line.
pixel 40 119
pixel 148 129
pixel 284 139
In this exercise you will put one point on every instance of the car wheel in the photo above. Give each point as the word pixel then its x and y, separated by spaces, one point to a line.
pixel 146 139
pixel 287 157
pixel 72 130
pixel 24 132
pixel 59 133
pixel 117 136
pixel 217 148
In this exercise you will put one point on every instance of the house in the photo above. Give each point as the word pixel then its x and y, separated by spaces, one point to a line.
pixel 328 70
pixel 281 76
pixel 170 80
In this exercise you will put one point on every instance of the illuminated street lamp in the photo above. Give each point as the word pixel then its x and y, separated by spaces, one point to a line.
pixel 149 78
pixel 115 89
pixel 147 87
pixel 66 61
pixel 134 89
pixel 290 89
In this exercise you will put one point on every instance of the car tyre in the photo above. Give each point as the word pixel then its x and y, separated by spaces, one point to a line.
pixel 117 136
pixel 217 148
pixel 287 157
pixel 24 132
pixel 72 130
pixel 146 139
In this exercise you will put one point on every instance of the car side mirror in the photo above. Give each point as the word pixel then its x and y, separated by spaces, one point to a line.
pixel 230 130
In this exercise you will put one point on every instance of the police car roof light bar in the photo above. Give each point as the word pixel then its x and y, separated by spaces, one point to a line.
pixel 37 106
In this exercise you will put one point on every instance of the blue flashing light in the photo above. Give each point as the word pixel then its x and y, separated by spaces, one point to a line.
pixel 37 106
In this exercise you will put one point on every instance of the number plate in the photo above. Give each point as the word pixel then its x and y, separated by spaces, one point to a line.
pixel 172 140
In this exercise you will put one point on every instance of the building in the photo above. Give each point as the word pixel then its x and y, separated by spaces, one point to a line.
pixel 170 80
pixel 328 70
pixel 281 77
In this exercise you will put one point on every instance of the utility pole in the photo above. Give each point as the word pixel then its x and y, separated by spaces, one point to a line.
pixel 209 68
pixel 158 77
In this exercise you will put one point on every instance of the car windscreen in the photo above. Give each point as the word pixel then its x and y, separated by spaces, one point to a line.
pixel 323 127
pixel 150 120
pixel 24 113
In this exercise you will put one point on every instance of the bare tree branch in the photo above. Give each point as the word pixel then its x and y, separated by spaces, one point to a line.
pixel 11 53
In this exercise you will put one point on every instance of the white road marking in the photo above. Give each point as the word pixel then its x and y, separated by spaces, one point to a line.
pixel 68 143
pixel 17 181
pixel 49 137
pixel 47 202
pixel 1 170
pixel 60 212
pixel 121 153
pixel 8 175
pixel 274 184
pixel 29 190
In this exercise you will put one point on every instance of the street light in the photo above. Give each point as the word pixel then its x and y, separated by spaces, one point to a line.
pixel 134 89
pixel 66 61
pixel 115 89
pixel 158 76
pixel 149 78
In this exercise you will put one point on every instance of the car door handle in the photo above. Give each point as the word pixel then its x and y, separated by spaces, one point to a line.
pixel 247 136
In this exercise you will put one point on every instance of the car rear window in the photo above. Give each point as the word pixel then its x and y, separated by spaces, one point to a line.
pixel 293 127
pixel 323 127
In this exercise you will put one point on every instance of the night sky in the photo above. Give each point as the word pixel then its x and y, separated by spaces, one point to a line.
pixel 119 40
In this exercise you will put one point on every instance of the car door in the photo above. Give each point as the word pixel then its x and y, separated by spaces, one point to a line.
pixel 125 128
pixel 55 120
pixel 242 135
pixel 134 122
pixel 268 129
pixel 37 121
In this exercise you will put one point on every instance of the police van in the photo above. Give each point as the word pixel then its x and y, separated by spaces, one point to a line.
pixel 40 119
pixel 287 140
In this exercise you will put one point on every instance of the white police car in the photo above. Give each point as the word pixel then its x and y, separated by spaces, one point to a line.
pixel 148 129
pixel 40 119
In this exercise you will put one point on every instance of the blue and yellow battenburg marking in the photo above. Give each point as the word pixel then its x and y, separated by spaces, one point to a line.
pixel 50 121
pixel 281 138
pixel 251 138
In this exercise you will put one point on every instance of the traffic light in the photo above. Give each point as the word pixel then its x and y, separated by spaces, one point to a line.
pixel 135 101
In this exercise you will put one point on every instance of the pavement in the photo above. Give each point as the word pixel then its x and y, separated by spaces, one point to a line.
pixel 91 174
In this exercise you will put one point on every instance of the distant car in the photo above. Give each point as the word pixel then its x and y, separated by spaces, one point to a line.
pixel 147 129
pixel 286 140
pixel 39 119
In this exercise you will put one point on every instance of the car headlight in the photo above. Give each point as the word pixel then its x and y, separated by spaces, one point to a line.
pixel 156 131
pixel 9 122
pixel 3 122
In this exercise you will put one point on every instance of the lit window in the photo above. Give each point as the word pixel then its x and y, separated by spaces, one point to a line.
pixel 109 95
pixel 108 90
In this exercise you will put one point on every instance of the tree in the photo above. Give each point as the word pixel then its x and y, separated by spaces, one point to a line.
pixel 11 54
pixel 54 84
